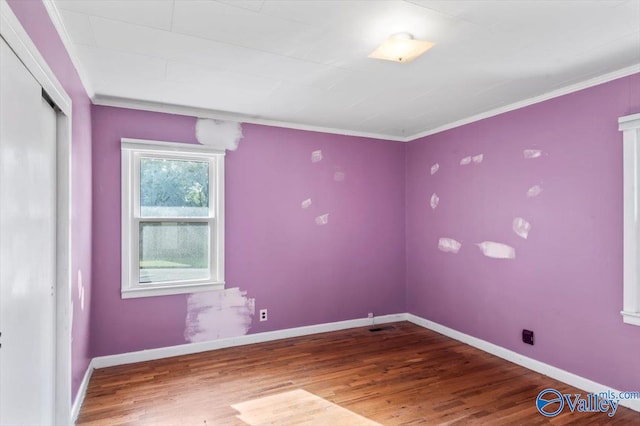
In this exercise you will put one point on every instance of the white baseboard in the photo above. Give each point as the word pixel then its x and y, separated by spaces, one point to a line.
pixel 539 367
pixel 82 392
pixel 191 348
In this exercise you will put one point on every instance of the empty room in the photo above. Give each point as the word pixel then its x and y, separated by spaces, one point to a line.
pixel 319 212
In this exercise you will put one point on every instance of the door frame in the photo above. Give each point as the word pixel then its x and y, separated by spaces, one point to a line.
pixel 19 41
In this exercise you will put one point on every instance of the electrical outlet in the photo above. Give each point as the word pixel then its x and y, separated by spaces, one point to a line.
pixel 527 337
pixel 370 315
pixel 263 315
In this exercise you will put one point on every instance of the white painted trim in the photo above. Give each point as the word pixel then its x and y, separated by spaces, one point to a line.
pixel 58 23
pixel 221 115
pixel 20 42
pixel 151 145
pixel 629 317
pixel 132 150
pixel 17 38
pixel 630 127
pixel 64 272
pixel 624 72
pixel 82 393
pixel 191 348
pixel 524 361
pixel 629 122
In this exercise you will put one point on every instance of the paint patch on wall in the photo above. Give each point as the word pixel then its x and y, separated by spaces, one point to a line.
pixel 534 191
pixel 306 203
pixel 476 159
pixel 434 169
pixel 497 250
pixel 531 153
pixel 80 290
pixel 521 227
pixel 322 219
pixel 218 134
pixel 449 245
pixel 79 283
pixel 219 314
pixel 434 200
pixel 316 156
pixel 338 176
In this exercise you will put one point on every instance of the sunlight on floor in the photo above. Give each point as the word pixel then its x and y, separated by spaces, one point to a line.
pixel 297 407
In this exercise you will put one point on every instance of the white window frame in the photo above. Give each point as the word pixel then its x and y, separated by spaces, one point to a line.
pixel 134 149
pixel 630 127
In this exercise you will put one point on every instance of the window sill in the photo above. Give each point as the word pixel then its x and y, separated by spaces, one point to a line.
pixel 150 291
pixel 632 318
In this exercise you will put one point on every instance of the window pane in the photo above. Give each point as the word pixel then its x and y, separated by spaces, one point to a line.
pixel 174 188
pixel 173 251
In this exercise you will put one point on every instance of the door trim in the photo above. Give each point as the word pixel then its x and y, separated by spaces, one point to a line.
pixel 19 41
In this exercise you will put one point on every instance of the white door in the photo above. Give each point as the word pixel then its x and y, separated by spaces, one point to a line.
pixel 27 246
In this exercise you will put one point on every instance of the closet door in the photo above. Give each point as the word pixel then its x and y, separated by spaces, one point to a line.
pixel 27 246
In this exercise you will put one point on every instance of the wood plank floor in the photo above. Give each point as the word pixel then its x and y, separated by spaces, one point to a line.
pixel 402 375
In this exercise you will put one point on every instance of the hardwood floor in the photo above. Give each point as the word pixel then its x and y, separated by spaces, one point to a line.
pixel 402 375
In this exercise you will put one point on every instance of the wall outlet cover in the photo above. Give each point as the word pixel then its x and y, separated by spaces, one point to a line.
pixel 527 337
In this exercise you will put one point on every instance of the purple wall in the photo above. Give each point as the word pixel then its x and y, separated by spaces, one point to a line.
pixel 566 280
pixel 35 20
pixel 303 273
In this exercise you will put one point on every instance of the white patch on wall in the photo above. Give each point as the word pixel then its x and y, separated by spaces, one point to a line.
pixel 323 219
pixel 316 156
pixel 80 290
pixel 218 134
pixel 476 159
pixel 434 169
pixel 219 314
pixel 521 227
pixel 497 250
pixel 306 203
pixel 79 283
pixel 449 245
pixel 531 153
pixel 338 176
pixel 534 191
pixel 434 200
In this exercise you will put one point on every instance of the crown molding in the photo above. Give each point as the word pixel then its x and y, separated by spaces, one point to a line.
pixel 116 101
pixel 624 72
pixel 58 23
pixel 222 115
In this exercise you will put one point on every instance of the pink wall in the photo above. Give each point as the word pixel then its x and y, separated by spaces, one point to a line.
pixel 566 280
pixel 35 20
pixel 303 273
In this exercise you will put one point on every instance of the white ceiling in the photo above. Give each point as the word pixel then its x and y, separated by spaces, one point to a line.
pixel 304 62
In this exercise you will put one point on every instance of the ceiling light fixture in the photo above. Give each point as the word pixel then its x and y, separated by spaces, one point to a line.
pixel 401 47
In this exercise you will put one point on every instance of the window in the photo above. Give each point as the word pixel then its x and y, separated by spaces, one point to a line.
pixel 630 126
pixel 172 218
